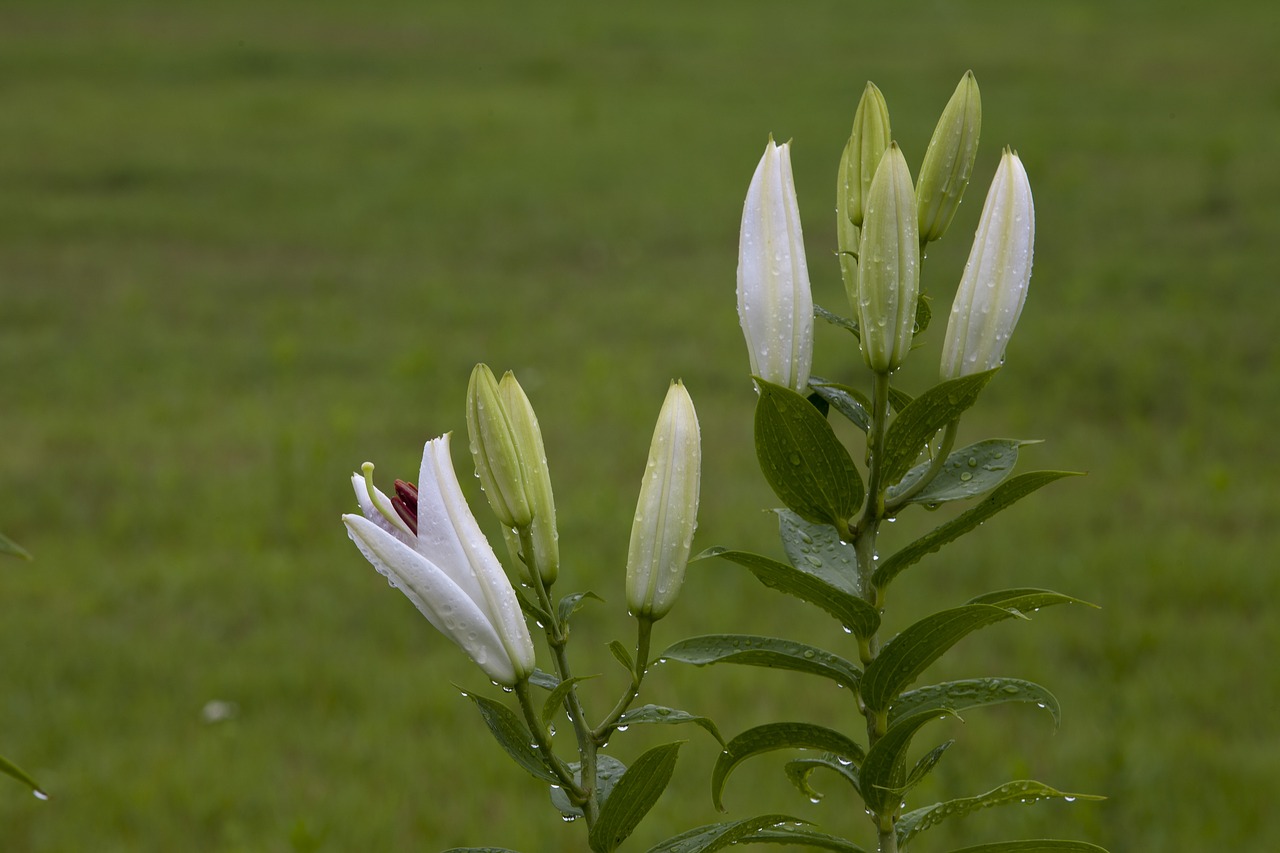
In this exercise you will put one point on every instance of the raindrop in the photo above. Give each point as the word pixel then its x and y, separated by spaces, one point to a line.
pixel 41 795
pixel 623 728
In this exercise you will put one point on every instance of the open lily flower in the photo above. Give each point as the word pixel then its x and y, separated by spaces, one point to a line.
pixel 426 542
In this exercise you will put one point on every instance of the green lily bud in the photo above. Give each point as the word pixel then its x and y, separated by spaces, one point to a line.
pixel 493 448
pixel 862 155
pixel 948 161
pixel 533 459
pixel 993 288
pixel 888 266
pixel 667 512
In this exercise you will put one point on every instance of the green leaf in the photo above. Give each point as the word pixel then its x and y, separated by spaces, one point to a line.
pixel 803 461
pixel 8 768
pixel 772 652
pixel 836 320
pixel 608 771
pixel 670 716
pixel 716 836
pixel 512 734
pixel 924 313
pixel 8 546
pixel 1035 845
pixel 799 770
pixel 532 610
pixel 561 690
pixel 1026 599
pixel 917 422
pixel 804 837
pixel 966 473
pixel 624 657
pixel 855 614
pixel 572 603
pixel 846 400
pixel 884 771
pixel 774 736
pixel 816 549
pixel 898 399
pixel 907 655
pixel 926 763
pixel 633 796
pixel 479 850
pixel 974 693
pixel 543 679
pixel 1006 494
pixel 915 822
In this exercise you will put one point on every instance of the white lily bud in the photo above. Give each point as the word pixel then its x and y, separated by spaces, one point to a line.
pixel 948 161
pixel 428 545
pixel 667 512
pixel 775 306
pixel 888 265
pixel 994 285
pixel 537 477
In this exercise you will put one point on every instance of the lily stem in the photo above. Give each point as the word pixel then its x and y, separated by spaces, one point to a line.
pixel 644 629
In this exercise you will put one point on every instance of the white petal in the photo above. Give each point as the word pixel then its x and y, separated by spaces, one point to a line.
pixel 369 507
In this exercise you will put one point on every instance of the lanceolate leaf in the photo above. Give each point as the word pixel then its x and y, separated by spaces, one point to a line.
pixel 8 768
pixel 623 656
pixel 804 837
pixel 816 549
pixel 669 716
pixel 973 693
pixel 608 771
pixel 543 679
pixel 800 769
pixel 854 613
pixel 1007 493
pixel 966 473
pixel 8 546
pixel 915 822
pixel 1035 845
pixel 633 796
pixel 884 771
pixel 836 320
pixel 774 736
pixel 512 734
pixel 916 424
pixel 561 690
pixel 1026 599
pixel 805 464
pixel 572 603
pixel 926 763
pixel 907 655
pixel 765 651
pixel 848 401
pixel 716 836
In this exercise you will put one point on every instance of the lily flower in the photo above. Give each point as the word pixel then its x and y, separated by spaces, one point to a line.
pixel 993 288
pixel 427 544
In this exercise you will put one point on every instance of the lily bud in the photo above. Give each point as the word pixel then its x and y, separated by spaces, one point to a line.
pixel 948 161
pixel 994 285
pixel 667 511
pixel 493 448
pixel 888 266
pixel 537 478
pixel 435 553
pixel 775 306
pixel 862 154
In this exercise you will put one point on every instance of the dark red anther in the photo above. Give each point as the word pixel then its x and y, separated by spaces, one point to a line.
pixel 406 504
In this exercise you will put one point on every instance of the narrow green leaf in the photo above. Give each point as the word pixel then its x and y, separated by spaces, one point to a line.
pixel 926 763
pixel 572 603
pixel 1007 493
pixel 924 313
pixel 774 736
pixel 907 655
pixel 8 546
pixel 974 693
pixel 8 768
pixel 915 822
pixel 513 736
pixel 1035 845
pixel 772 652
pixel 884 772
pixel 799 770
pixel 543 679
pixel 624 657
pixel 898 399
pixel 1026 599
pixel 846 400
pixel 669 716
pixel 816 549
pixel 633 796
pixel 608 771
pixel 532 610
pixel 855 614
pixel 479 850
pixel 716 836
pixel 917 422
pixel 801 458
pixel 966 473
pixel 804 837
pixel 835 319
pixel 561 690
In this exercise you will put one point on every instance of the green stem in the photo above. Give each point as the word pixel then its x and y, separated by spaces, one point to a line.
pixel 644 629
pixel 935 467
pixel 543 740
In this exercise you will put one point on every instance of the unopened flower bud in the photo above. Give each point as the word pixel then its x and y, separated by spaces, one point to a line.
pixel 775 306
pixel 493 448
pixel 862 154
pixel 888 266
pixel 948 161
pixel 667 512
pixel 537 477
pixel 994 285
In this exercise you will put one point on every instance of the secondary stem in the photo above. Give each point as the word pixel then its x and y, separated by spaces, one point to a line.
pixel 644 629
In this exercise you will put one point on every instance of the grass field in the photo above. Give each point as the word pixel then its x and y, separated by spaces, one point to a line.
pixel 246 246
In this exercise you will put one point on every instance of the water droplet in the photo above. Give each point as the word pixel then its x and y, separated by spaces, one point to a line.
pixel 41 795
pixel 623 728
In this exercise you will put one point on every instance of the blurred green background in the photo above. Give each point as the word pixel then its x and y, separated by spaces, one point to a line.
pixel 245 246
